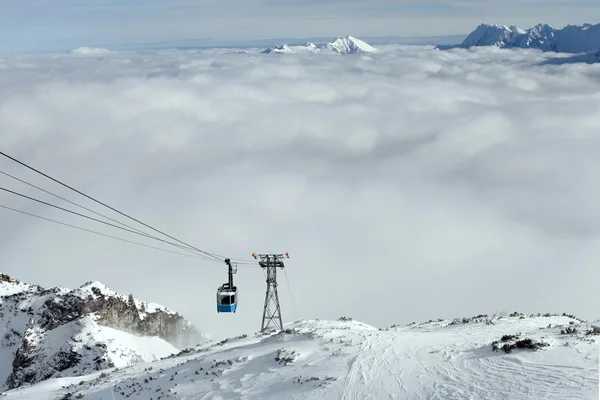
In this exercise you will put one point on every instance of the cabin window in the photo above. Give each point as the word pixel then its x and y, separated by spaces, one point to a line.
pixel 227 300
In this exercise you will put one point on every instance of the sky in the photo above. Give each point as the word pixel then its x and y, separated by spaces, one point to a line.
pixel 408 185
pixel 59 25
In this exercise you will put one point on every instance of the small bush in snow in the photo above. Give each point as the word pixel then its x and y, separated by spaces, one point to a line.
pixel 219 363
pixel 515 314
pixel 570 316
pixel 568 331
pixel 345 319
pixel 327 379
pixel 512 342
pixel 339 352
pixel 285 356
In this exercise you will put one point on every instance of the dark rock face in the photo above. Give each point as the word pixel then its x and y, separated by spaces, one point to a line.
pixel 6 278
pixel 35 360
pixel 119 314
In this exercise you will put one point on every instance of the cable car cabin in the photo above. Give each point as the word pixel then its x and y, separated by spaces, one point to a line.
pixel 227 298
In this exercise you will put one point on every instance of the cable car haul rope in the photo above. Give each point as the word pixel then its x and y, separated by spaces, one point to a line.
pixel 227 293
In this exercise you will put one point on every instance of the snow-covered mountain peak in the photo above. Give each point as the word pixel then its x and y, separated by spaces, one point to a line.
pixel 344 45
pixel 96 288
pixel 350 45
pixel 285 49
pixel 62 332
pixel 498 35
pixel 570 39
pixel 10 286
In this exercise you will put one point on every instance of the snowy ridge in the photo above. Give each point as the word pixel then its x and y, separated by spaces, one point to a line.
pixel 493 35
pixel 9 286
pixel 570 39
pixel 499 357
pixel 96 289
pixel 350 45
pixel 61 332
pixel 345 45
pixel 285 49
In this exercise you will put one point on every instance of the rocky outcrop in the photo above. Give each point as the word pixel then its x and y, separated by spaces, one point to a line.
pixel 115 312
pixel 61 332
pixel 34 361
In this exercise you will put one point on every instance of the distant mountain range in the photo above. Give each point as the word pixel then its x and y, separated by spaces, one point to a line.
pixel 345 45
pixel 570 39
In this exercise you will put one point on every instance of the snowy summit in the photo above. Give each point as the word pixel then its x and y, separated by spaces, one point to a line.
pixel 345 45
pixel 570 39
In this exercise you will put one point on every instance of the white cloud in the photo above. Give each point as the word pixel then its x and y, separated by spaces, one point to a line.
pixel 407 185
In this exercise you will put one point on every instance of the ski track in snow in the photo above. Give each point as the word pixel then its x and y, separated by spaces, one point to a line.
pixel 372 373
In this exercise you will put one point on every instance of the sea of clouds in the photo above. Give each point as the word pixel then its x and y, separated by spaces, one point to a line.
pixel 411 184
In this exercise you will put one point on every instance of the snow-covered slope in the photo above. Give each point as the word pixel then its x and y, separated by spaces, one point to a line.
pixel 493 35
pixel 517 356
pixel 345 45
pixel 10 286
pixel 61 332
pixel 350 45
pixel 570 39
pixel 285 49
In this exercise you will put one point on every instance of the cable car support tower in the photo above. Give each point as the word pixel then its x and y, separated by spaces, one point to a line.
pixel 272 310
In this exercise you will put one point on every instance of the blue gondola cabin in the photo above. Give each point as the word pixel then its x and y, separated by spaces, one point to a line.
pixel 227 298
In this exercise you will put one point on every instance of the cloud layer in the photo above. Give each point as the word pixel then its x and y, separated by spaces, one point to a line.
pixel 407 185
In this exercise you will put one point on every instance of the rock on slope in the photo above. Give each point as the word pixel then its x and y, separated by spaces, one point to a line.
pixel 537 356
pixel 61 332
pixel 345 45
pixel 570 39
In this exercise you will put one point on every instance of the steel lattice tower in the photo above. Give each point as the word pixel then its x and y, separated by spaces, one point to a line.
pixel 272 310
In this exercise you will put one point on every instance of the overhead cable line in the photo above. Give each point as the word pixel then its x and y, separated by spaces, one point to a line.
pixel 109 218
pixel 71 202
pixel 99 233
pixel 216 257
pixel 290 292
pixel 102 222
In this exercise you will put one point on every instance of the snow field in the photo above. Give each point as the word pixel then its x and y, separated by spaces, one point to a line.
pixel 351 360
